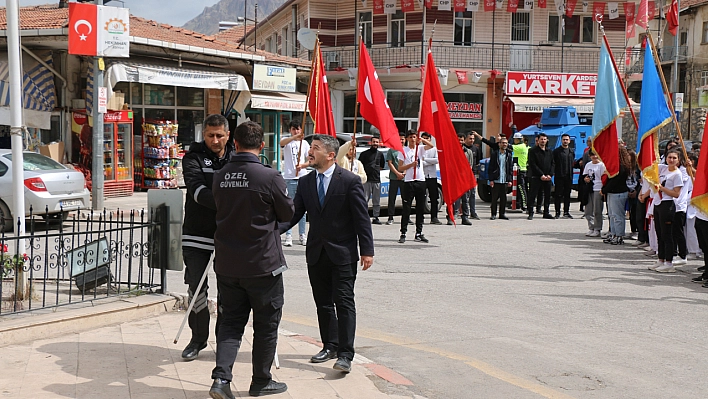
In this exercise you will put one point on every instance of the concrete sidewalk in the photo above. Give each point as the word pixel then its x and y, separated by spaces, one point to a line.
pixel 137 359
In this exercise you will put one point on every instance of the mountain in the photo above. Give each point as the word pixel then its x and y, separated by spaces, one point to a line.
pixel 228 10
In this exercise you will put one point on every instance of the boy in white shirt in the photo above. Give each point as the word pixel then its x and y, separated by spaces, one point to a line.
pixel 410 162
pixel 593 210
pixel 293 169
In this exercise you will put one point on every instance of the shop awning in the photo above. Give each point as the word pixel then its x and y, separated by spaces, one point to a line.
pixel 538 104
pixel 278 101
pixel 39 94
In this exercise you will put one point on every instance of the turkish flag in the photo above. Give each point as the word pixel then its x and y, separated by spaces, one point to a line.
pixel 699 197
pixel 460 5
pixel 489 5
pixel 372 102
pixel 455 172
pixel 407 6
pixel 512 5
pixel 83 29
pixel 541 3
pixel 320 104
pixel 462 77
pixel 672 17
pixel 570 7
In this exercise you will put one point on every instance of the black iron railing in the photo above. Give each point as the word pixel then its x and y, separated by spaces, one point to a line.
pixel 551 57
pixel 82 257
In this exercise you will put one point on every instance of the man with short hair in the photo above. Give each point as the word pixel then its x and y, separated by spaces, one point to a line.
pixel 251 199
pixel 373 161
pixel 430 168
pixel 199 224
pixel 410 161
pixel 293 169
pixel 563 159
pixel 540 169
pixel 395 179
pixel 339 218
pixel 500 173
pixel 476 151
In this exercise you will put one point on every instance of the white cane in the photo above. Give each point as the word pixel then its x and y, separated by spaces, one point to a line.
pixel 191 303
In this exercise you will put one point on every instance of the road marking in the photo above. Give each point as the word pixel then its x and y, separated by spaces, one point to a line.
pixel 479 365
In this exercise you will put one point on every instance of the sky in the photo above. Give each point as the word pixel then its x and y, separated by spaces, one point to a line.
pixel 177 14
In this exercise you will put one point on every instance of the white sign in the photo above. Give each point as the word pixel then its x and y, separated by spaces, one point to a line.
pixel 586 4
pixel 472 5
pixel 445 5
pixel 272 78
pixel 102 100
pixel 538 108
pixel 528 4
pixel 277 104
pixel 500 4
pixel 678 102
pixel 560 7
pixel 113 32
pixel 389 6
pixel 614 10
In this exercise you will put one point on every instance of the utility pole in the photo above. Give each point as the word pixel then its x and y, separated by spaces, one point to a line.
pixel 97 159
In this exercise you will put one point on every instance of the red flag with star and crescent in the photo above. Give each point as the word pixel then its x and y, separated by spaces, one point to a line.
pixel 455 172
pixel 372 101
pixel 320 104
pixel 83 29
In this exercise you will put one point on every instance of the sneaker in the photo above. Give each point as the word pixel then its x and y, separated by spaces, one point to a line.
pixel 617 241
pixel 643 245
pixel 402 239
pixel 667 268
pixel 637 243
pixel 656 265
pixel 376 221
pixel 650 252
pixel 705 285
pixel 558 215
pixel 449 222
pixel 679 261
pixel 389 222
pixel 303 239
pixel 699 256
pixel 608 239
pixel 595 233
pixel 421 238
pixel 548 216
pixel 701 269
pixel 567 216
pixel 271 388
pixel 589 233
pixel 435 221
pixel 474 216
pixel 700 280
pixel 530 217
pixel 606 234
pixel 288 241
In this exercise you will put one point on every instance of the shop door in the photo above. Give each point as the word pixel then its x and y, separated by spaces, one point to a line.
pixel 270 127
pixel 520 49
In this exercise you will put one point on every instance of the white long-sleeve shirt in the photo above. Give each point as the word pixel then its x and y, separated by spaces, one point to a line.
pixel 430 160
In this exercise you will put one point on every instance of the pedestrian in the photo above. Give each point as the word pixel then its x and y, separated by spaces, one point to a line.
pixel 692 244
pixel 616 191
pixel 540 169
pixel 475 149
pixel 346 158
pixel 499 172
pixel 592 176
pixel 430 168
pixel 633 187
pixel 410 161
pixel 463 201
pixel 521 154
pixel 251 199
pixel 373 161
pixel 583 193
pixel 669 188
pixel 679 224
pixel 563 159
pixel 199 224
pixel 293 169
pixel 334 200
pixel 395 179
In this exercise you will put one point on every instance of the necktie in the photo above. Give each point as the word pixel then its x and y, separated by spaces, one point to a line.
pixel 321 188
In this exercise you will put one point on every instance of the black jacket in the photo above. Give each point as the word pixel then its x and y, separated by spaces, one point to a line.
pixel 494 167
pixel 373 161
pixel 540 162
pixel 198 167
pixel 563 160
pixel 337 226
pixel 251 199
pixel 617 184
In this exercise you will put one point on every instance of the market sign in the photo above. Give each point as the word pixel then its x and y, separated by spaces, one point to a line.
pixel 464 110
pixel 272 78
pixel 551 84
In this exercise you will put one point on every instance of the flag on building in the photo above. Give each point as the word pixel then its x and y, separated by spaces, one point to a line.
pixel 642 17
pixel 455 172
pixel 654 114
pixel 609 101
pixel 672 17
pixel 320 104
pixel 372 101
pixel 699 197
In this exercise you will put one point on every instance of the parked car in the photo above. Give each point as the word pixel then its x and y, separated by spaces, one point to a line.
pixel 662 145
pixel 48 185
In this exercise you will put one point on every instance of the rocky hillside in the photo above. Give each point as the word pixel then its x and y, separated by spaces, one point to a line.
pixel 228 10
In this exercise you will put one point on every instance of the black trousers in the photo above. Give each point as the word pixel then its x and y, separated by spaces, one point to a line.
pixel 702 234
pixel 393 187
pixel 413 190
pixel 196 261
pixel 633 214
pixel 663 218
pixel 237 296
pixel 563 187
pixel 536 188
pixel 641 221
pixel 499 196
pixel 677 230
pixel 431 184
pixel 333 290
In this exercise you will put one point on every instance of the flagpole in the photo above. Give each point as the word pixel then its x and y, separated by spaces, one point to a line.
pixel 309 86
pixel 668 97
pixel 614 65
pixel 356 101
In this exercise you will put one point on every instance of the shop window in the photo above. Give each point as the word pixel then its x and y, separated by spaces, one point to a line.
pixel 463 28
pixel 190 126
pixel 397 29
pixel 159 95
pixel 190 97
pixel 366 23
pixel 578 29
pixel 136 94
pixel 159 114
pixel 466 127
pixel 404 104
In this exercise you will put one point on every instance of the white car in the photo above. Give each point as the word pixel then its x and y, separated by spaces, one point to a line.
pixel 49 185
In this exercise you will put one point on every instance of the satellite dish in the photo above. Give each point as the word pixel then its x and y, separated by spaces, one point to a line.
pixel 307 38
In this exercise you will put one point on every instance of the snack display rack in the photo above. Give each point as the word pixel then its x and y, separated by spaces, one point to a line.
pixel 159 156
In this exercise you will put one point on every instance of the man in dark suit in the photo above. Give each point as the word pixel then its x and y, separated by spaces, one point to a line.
pixel 338 214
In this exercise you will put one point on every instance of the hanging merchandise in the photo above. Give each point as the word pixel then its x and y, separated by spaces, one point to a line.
pixel 570 7
pixel 512 5
pixel 586 4
pixel 462 77
pixel 460 5
pixel 473 5
pixel 598 8
pixel 378 6
pixel 389 6
pixel 489 5
pixel 407 5
pixel 528 5
pixel 614 10
pixel 445 5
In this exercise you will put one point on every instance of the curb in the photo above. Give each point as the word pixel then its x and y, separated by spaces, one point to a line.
pixel 91 314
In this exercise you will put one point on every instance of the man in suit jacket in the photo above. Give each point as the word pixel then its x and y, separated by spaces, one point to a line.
pixel 339 218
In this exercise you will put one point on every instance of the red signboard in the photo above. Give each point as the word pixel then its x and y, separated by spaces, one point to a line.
pixel 464 110
pixel 551 84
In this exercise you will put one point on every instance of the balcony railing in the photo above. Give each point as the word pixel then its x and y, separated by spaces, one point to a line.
pixel 668 53
pixel 503 57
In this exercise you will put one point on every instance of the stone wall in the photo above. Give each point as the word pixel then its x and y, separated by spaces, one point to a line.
pixel 696 119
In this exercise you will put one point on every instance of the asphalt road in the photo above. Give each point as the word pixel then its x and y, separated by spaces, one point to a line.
pixel 519 309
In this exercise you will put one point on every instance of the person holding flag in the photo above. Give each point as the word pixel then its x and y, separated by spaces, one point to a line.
pixel 410 161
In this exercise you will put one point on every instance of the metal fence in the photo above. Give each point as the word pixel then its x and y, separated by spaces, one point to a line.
pixel 500 56
pixel 82 257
